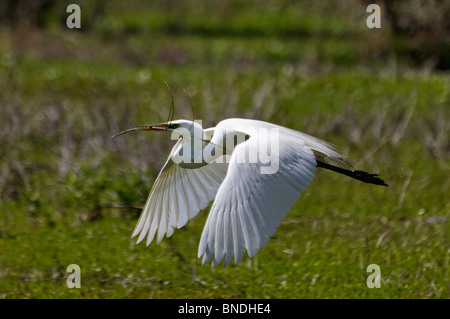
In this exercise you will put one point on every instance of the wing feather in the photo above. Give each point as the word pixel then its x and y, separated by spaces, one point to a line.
pixel 249 206
pixel 177 195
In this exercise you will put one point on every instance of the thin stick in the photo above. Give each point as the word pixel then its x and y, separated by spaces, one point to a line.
pixel 172 107
pixel 192 107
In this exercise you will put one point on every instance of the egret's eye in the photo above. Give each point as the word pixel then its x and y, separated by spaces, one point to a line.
pixel 173 125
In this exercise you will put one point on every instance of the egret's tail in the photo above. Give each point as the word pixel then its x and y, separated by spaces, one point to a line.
pixel 359 175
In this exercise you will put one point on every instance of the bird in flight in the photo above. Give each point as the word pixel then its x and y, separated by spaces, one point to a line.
pixel 254 171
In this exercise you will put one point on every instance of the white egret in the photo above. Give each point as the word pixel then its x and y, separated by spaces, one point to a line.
pixel 225 164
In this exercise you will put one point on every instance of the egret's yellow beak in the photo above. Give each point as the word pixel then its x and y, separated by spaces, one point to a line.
pixel 151 127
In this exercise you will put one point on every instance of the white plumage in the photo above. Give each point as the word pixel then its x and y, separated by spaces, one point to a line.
pixel 248 205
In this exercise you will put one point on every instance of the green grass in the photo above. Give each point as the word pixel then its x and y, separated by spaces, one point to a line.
pixel 65 93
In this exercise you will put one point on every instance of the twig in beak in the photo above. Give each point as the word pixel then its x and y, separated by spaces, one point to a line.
pixel 154 127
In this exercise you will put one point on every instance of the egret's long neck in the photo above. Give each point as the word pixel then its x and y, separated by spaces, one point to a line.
pixel 194 151
pixel 189 152
pixel 222 143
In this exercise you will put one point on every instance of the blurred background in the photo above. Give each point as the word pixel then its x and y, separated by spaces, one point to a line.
pixel 70 195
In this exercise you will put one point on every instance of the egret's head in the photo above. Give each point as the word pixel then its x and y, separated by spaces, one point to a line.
pixel 185 127
pixel 184 124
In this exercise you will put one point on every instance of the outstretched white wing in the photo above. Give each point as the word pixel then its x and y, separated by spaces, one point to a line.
pixel 249 206
pixel 177 195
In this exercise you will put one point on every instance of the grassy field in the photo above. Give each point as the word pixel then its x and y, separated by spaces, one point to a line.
pixel 67 191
